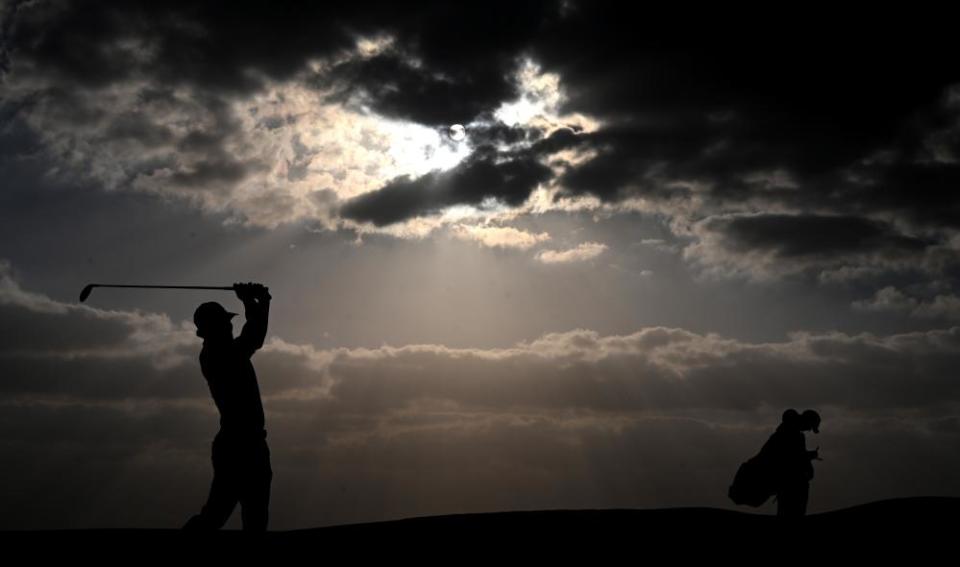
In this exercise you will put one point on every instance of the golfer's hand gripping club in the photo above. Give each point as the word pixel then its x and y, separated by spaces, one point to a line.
pixel 251 291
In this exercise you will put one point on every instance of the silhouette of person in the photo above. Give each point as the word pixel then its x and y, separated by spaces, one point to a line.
pixel 241 458
pixel 790 462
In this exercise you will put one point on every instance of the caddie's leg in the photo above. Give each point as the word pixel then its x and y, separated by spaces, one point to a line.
pixel 792 500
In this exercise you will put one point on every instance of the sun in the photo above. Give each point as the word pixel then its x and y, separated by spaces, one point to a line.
pixel 457 133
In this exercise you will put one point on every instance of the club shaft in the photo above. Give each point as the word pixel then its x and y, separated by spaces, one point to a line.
pixel 166 286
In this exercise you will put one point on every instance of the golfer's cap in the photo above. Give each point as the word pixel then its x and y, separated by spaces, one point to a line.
pixel 210 312
pixel 813 418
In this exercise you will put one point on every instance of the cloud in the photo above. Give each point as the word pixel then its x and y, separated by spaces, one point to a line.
pixel 564 109
pixel 179 45
pixel 793 236
pixel 32 328
pixel 499 236
pixel 260 159
pixel 942 307
pixel 473 181
pixel 344 127
pixel 887 299
pixel 179 103
pixel 116 398
pixel 400 86
pixel 712 128
pixel 583 252
pixel 890 299
pixel 765 245
pixel 651 368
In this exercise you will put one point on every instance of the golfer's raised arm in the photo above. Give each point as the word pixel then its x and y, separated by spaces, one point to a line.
pixel 256 304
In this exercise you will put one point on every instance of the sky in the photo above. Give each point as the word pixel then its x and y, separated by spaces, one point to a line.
pixel 523 255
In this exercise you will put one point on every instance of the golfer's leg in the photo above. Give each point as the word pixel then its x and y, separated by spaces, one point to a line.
pixel 224 493
pixel 255 495
pixel 219 506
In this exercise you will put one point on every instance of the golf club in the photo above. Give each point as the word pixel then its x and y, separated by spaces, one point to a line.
pixel 89 288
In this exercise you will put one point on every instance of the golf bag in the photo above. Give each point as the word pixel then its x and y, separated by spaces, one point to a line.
pixel 753 484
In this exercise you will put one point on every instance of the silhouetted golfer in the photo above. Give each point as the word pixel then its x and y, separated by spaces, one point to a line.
pixel 241 459
pixel 790 462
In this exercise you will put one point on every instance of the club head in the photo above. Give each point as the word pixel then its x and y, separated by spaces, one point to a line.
pixel 86 292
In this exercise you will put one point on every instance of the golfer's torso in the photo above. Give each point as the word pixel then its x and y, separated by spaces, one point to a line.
pixel 233 385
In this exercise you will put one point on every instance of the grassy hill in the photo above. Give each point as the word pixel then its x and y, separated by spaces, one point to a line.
pixel 918 528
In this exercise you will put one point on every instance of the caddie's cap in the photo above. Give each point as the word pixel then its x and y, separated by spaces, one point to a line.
pixel 813 418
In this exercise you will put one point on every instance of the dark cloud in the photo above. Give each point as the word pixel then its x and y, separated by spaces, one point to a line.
pixel 792 236
pixel 40 331
pixel 920 193
pixel 135 96
pixel 727 104
pixel 203 173
pixel 7 13
pixel 96 379
pixel 507 165
pixel 178 43
pixel 138 128
pixel 825 247
pixel 640 156
pixel 725 64
pixel 469 183
pixel 397 87
pixel 760 116
pixel 463 55
pixel 448 63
